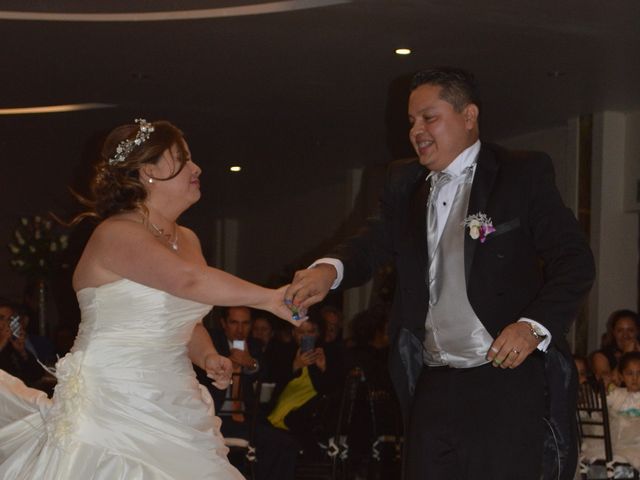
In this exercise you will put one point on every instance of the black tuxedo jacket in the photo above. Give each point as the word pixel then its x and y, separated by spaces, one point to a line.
pixel 537 264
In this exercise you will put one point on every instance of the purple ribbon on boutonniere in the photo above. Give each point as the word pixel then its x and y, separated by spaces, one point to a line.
pixel 480 226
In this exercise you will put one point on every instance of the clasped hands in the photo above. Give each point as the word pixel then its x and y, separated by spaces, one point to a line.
pixel 309 287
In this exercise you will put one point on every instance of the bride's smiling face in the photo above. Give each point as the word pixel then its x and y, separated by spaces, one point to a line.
pixel 184 187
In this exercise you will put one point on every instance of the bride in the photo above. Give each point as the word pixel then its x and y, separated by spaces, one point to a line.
pixel 127 404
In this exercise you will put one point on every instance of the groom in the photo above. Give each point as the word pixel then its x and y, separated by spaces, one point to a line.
pixel 491 270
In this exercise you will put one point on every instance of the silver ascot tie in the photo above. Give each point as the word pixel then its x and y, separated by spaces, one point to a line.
pixel 438 180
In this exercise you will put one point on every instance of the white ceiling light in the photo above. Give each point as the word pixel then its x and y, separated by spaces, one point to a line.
pixel 403 51
pixel 171 15
pixel 235 168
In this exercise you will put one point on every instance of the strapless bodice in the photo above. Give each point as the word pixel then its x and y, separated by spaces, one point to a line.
pixel 127 317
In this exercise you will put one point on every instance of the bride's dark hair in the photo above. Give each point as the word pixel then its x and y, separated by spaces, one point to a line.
pixel 116 187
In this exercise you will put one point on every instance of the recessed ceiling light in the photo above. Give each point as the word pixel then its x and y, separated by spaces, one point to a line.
pixel 73 107
pixel 403 51
pixel 556 73
pixel 235 168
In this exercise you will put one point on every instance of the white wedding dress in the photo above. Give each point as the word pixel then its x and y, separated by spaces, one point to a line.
pixel 127 405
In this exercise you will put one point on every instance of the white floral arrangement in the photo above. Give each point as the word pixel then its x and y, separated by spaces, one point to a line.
pixel 37 247
pixel 480 226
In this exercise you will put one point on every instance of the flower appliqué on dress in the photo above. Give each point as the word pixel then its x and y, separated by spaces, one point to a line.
pixel 480 226
pixel 68 399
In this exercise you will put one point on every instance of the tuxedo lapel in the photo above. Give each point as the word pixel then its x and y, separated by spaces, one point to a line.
pixel 419 223
pixel 483 180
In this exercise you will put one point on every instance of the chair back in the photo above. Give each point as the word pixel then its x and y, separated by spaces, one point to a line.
pixel 593 415
pixel 242 407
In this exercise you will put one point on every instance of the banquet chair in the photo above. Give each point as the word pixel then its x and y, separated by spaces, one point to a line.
pixel 242 452
pixel 593 422
pixel 593 415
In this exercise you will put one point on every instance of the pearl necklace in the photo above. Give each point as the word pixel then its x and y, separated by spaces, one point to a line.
pixel 167 237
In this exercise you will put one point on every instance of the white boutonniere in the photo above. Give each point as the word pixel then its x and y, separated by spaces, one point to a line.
pixel 480 226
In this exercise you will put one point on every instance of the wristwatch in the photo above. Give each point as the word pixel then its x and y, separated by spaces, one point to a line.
pixel 537 332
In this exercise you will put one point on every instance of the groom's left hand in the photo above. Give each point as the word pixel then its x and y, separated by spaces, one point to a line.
pixel 514 344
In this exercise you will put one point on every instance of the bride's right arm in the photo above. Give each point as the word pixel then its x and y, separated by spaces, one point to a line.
pixel 128 250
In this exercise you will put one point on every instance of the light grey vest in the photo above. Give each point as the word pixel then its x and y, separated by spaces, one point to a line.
pixel 454 334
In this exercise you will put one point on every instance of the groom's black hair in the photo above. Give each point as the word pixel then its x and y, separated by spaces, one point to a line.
pixel 459 87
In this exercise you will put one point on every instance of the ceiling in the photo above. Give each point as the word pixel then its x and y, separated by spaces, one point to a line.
pixel 319 71
pixel 295 96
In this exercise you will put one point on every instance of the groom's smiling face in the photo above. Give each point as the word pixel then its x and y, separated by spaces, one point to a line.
pixel 439 133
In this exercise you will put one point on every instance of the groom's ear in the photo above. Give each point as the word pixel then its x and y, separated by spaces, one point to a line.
pixel 470 114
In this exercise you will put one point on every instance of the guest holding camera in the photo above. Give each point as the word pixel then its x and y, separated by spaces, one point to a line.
pixel 306 376
pixel 15 359
pixel 276 451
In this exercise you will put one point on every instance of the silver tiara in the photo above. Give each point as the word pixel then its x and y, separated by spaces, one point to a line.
pixel 125 147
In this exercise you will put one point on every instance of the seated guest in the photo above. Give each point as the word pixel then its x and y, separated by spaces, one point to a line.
pixel 623 335
pixel 262 330
pixel 582 366
pixel 15 359
pixel 624 417
pixel 272 348
pixel 370 345
pixel 276 451
pixel 307 371
pixel 332 318
pixel 40 347
pixel 624 409
pixel 376 412
pixel 601 371
pixel 284 333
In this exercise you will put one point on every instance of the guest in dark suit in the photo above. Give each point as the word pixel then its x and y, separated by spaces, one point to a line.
pixel 491 270
pixel 276 451
pixel 236 326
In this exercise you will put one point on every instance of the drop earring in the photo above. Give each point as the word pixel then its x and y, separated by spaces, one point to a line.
pixel 150 180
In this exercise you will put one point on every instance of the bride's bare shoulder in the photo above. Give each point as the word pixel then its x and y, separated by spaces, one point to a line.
pixel 118 224
pixel 113 237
